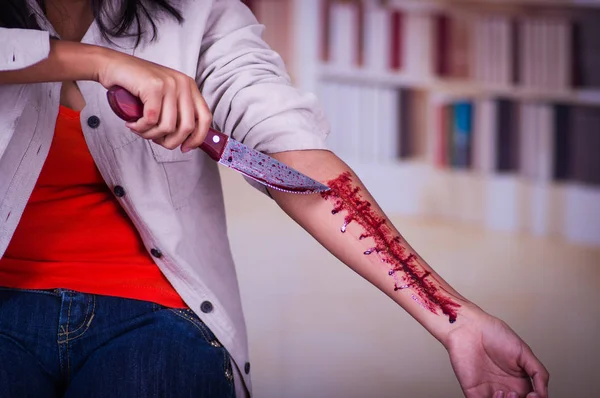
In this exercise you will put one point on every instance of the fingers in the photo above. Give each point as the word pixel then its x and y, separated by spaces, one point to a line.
pixel 537 372
pixel 152 96
pixel 175 113
pixel 167 122
pixel 186 120
pixel 203 120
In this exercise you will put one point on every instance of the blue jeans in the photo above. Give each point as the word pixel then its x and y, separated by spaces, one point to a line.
pixel 61 343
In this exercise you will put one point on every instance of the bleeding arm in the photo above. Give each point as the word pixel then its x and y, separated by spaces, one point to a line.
pixel 488 358
pixel 349 223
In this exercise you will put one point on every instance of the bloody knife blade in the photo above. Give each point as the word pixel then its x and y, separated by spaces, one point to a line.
pixel 227 151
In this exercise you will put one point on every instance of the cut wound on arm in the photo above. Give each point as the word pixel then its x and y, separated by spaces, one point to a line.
pixel 403 267
pixel 348 222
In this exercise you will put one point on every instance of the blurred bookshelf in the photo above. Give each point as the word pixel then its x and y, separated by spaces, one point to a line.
pixel 484 112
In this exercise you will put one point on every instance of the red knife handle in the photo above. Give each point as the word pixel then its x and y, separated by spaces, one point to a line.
pixel 214 144
pixel 130 108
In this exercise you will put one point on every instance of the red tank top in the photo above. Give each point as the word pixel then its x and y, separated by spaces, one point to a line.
pixel 75 235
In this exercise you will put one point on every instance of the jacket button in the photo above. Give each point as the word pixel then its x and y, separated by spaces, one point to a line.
pixel 156 253
pixel 93 121
pixel 119 191
pixel 247 367
pixel 206 307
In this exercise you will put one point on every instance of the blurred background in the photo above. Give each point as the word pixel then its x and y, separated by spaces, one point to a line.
pixel 476 126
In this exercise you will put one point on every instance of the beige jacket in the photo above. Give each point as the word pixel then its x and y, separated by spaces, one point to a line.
pixel 174 199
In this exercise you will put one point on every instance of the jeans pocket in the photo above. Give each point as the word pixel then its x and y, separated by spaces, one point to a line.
pixel 189 315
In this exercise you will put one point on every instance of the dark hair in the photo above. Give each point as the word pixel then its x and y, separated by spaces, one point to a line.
pixel 15 14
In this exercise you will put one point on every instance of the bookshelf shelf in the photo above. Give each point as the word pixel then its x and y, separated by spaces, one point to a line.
pixel 432 4
pixel 456 88
pixel 422 92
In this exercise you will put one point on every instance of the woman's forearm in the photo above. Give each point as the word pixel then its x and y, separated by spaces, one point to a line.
pixel 349 223
pixel 67 61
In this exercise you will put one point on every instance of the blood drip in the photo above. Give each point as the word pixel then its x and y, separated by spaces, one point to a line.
pixel 346 197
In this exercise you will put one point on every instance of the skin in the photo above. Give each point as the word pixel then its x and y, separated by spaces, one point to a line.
pixel 488 358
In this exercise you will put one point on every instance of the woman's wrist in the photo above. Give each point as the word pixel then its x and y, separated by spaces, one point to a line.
pixel 80 61
pixel 470 315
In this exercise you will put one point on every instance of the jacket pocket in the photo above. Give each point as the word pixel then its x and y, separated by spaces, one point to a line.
pixel 162 154
pixel 183 171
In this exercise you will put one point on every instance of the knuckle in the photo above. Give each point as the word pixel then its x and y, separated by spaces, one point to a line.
pixel 170 127
pixel 187 127
pixel 183 79
pixel 156 83
pixel 206 120
pixel 152 117
pixel 209 118
pixel 170 82
pixel 167 124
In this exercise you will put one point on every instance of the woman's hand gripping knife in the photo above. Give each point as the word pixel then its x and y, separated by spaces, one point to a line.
pixel 175 113
pixel 489 359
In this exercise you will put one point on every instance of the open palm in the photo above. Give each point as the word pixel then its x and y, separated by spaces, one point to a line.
pixel 490 360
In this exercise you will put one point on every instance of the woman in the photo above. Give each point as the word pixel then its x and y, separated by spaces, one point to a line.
pixel 116 275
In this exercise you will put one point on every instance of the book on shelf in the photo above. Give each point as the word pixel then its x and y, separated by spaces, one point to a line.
pixel 412 124
pixel 378 43
pixel 438 114
pixel 484 135
pixel 545 53
pixel 395 21
pixel 527 140
pixel 343 38
pixel 462 134
pixel 545 144
pixel 536 132
pixel 454 40
pixel 562 162
pixel 585 144
pixel 453 124
pixel 586 42
pixel 417 39
pixel 442 44
pixel 507 136
pixel 325 30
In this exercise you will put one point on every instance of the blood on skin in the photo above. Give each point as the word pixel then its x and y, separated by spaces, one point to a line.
pixel 404 266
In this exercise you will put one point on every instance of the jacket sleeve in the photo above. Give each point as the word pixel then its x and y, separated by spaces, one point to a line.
pixel 247 87
pixel 21 48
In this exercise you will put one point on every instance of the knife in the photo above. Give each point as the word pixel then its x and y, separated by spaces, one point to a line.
pixel 227 151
